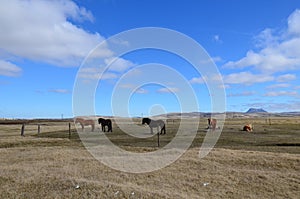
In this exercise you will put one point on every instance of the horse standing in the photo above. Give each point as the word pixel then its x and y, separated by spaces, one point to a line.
pixel 212 123
pixel 105 122
pixel 85 122
pixel 155 123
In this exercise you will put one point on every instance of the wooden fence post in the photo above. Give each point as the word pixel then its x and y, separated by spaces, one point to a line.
pixel 39 129
pixel 69 130
pixel 158 139
pixel 23 130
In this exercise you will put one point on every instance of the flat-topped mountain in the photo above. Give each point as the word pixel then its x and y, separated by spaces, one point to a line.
pixel 256 110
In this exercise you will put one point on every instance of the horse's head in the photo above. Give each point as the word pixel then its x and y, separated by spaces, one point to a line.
pixel 146 121
pixel 77 120
pixel 100 120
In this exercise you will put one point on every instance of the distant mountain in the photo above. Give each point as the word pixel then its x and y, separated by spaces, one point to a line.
pixel 256 110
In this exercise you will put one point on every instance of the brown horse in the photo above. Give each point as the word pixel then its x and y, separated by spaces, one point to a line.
pixel 248 128
pixel 85 122
pixel 212 123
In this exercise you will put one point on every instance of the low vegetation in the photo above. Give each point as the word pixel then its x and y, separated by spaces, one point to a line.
pixel 259 164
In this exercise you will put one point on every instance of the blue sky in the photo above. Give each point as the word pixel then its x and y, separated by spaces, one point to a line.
pixel 255 45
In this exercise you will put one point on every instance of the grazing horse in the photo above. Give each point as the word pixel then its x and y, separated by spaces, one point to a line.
pixel 248 128
pixel 155 123
pixel 85 122
pixel 212 123
pixel 105 122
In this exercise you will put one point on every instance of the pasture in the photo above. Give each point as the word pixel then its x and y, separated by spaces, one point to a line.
pixel 262 164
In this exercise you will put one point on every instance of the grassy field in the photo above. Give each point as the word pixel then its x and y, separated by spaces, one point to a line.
pixel 261 164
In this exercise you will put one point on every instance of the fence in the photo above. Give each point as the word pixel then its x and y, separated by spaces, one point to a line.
pixel 39 129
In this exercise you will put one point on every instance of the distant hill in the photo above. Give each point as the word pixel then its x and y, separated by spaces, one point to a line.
pixel 256 110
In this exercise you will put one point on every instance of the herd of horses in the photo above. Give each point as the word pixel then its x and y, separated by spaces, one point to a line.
pixel 159 124
pixel 107 123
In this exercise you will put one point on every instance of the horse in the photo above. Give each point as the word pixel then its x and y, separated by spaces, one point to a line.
pixel 248 128
pixel 155 123
pixel 85 122
pixel 105 122
pixel 212 123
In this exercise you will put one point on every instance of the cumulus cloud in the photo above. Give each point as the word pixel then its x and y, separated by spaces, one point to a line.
pixel 45 31
pixel 9 69
pixel 278 51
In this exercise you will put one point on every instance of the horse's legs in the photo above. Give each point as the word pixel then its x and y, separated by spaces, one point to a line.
pixel 151 130
pixel 163 129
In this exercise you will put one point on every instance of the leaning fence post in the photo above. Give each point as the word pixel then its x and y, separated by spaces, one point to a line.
pixel 23 130
pixel 158 139
pixel 69 130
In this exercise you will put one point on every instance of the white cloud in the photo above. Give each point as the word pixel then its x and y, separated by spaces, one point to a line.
pixel 293 23
pixel 141 91
pixel 278 52
pixel 246 78
pixel 197 80
pixel 168 90
pixel 284 85
pixel 217 39
pixel 118 64
pixel 281 93
pixel 9 69
pixel 61 91
pixel 45 31
pixel 132 86
pixel 286 78
pixel 243 94
pixel 96 74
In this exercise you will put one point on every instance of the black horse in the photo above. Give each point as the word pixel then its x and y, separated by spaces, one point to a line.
pixel 105 122
pixel 155 123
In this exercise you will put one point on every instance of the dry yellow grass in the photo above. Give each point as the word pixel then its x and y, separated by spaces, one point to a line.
pixel 47 167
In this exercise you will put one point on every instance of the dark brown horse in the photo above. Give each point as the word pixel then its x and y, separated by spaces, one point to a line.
pixel 155 123
pixel 104 123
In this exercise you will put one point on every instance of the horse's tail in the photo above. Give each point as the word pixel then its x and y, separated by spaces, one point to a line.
pixel 109 125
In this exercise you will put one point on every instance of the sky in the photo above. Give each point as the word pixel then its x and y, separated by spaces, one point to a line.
pixel 255 45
